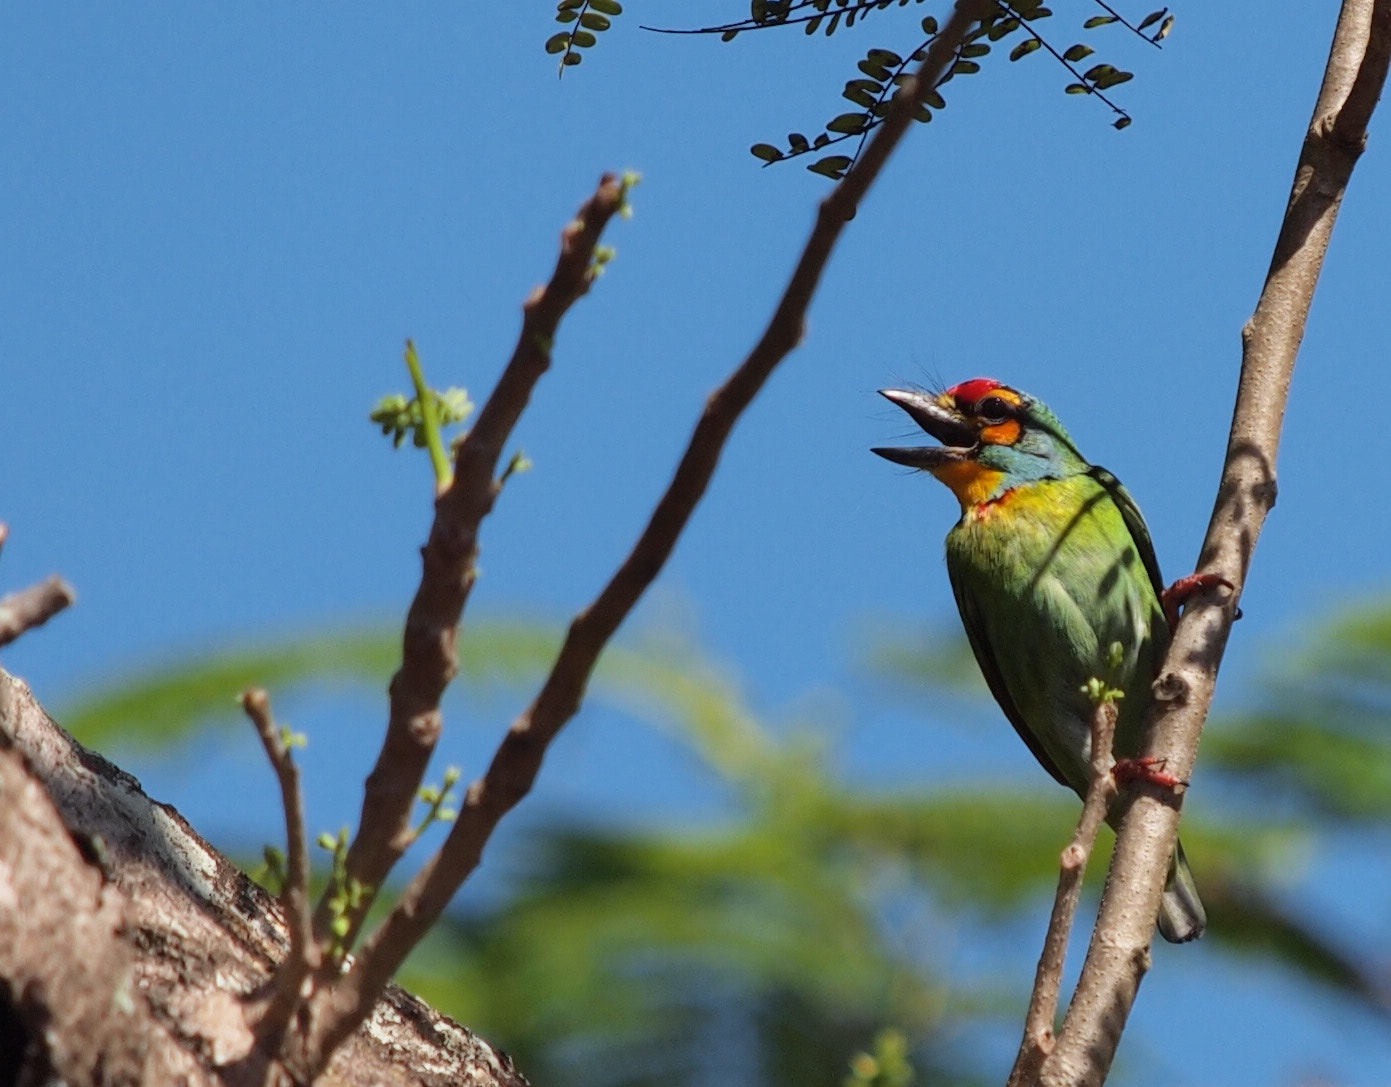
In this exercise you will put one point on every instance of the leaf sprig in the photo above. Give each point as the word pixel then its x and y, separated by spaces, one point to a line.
pixel 883 71
pixel 586 18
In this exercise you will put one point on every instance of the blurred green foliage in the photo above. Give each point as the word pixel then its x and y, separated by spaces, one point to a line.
pixel 807 936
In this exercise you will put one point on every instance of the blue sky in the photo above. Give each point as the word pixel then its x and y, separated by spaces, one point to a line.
pixel 222 221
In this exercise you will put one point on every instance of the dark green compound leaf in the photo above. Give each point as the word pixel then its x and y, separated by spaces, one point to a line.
pixel 930 26
pixel 584 39
pixel 1099 20
pixel 729 35
pixel 558 43
pixel 572 58
pixel 1024 48
pixel 765 151
pixel 798 142
pixel 977 50
pixel 831 26
pixel 1078 52
pixel 965 67
pixel 1113 78
pixel 934 99
pixel 812 25
pixel 1077 88
pixel 922 113
pixel 1038 13
pixel 1152 18
pixel 592 20
pixel 832 166
pixel 821 141
pixel 1121 122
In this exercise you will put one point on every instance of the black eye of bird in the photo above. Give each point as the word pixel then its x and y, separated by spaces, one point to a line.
pixel 992 410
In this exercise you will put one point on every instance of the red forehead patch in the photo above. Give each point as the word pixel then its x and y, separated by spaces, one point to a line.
pixel 969 392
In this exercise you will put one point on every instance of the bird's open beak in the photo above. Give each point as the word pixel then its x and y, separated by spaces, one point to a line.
pixel 957 437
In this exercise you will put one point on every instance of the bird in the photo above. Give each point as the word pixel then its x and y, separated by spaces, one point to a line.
pixel 1057 582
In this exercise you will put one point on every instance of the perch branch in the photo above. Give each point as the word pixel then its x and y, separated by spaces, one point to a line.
pixel 1119 952
pixel 1038 1038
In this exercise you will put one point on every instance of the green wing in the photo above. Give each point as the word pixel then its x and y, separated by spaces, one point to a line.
pixel 990 667
pixel 1134 521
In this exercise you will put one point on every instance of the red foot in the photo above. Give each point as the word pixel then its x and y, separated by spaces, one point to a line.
pixel 1149 768
pixel 1185 589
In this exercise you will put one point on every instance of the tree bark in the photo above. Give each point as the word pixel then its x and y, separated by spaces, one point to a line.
pixel 129 946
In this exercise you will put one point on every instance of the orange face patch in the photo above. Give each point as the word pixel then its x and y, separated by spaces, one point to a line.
pixel 1006 433
pixel 970 481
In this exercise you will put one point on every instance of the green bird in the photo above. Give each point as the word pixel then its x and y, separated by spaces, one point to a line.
pixel 1052 566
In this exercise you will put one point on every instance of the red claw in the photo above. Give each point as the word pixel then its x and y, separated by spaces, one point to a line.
pixel 1148 768
pixel 1185 589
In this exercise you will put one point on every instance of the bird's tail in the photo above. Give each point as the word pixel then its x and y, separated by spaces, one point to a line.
pixel 1181 914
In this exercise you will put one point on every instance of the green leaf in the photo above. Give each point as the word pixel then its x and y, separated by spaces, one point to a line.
pixel 797 141
pixel 765 151
pixel 1078 52
pixel 1099 20
pixel 608 7
pixel 592 20
pixel 1114 78
pixel 1038 13
pixel 812 25
pixel 584 39
pixel 821 141
pixel 965 67
pixel 1024 48
pixel 729 35
pixel 930 26
pixel 922 113
pixel 832 166
pixel 934 99
pixel 572 58
pixel 1004 28
pixel 558 43
pixel 1122 122
pixel 863 92
pixel 567 17
pixel 1152 18
pixel 977 50
pixel 847 123
pixel 1077 88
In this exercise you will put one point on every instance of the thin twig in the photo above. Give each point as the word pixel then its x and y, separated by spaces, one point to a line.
pixel 1119 952
pixel 450 558
pixel 33 607
pixel 303 958
pixel 1038 1038
pixel 515 765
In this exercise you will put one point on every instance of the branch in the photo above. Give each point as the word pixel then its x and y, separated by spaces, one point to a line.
pixel 450 558
pixel 1119 952
pixel 303 958
pixel 518 758
pixel 1038 1039
pixel 31 607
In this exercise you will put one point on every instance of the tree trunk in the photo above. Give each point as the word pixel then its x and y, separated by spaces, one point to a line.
pixel 128 945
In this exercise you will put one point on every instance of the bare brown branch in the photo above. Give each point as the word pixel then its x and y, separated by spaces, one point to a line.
pixel 428 661
pixel 1119 951
pixel 518 759
pixel 287 987
pixel 1038 1039
pixel 33 607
